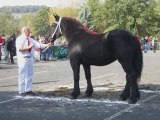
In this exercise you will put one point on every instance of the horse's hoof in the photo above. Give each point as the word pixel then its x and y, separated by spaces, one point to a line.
pixel 132 101
pixel 88 93
pixel 75 95
pixel 123 97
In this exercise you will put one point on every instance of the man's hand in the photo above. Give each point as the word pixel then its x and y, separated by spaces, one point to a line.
pixel 49 44
pixel 30 46
pixel 46 45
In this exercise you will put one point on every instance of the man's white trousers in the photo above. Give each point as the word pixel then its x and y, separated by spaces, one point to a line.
pixel 25 74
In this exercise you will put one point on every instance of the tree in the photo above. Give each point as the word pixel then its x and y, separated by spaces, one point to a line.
pixel 137 16
pixel 85 17
pixel 27 20
pixel 40 23
pixel 97 15
pixel 8 24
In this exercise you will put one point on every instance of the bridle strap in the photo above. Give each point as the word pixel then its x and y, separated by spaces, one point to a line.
pixel 58 26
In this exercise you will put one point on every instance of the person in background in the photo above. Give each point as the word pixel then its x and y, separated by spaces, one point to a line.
pixel 25 51
pixel 156 43
pixel 146 44
pixel 153 44
pixel 14 44
pixel 42 54
pixel 11 47
pixel 37 51
pixel 2 41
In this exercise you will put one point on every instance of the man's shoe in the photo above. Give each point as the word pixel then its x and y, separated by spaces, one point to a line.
pixel 30 93
pixel 22 94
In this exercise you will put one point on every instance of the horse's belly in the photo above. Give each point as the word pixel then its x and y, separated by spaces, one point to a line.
pixel 99 61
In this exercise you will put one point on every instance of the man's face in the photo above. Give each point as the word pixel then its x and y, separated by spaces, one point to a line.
pixel 27 32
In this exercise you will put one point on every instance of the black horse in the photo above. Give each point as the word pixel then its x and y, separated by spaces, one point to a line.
pixel 89 48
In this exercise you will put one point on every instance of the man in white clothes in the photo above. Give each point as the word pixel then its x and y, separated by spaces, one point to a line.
pixel 25 51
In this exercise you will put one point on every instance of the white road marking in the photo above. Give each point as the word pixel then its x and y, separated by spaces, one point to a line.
pixel 65 99
pixel 103 76
pixel 150 91
pixel 44 65
pixel 128 109
pixel 8 100
pixel 17 76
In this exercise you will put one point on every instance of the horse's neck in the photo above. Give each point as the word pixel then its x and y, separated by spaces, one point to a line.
pixel 73 34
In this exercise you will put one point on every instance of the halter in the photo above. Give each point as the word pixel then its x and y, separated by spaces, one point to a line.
pixel 58 26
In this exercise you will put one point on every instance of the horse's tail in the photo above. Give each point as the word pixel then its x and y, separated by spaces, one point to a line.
pixel 138 63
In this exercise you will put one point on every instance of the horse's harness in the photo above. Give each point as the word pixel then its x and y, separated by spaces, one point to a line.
pixel 58 26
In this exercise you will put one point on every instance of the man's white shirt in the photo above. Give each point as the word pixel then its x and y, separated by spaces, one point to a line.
pixel 22 42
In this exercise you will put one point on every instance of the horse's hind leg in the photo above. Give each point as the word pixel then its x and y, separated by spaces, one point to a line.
pixel 126 92
pixel 131 89
pixel 89 90
pixel 134 91
pixel 76 68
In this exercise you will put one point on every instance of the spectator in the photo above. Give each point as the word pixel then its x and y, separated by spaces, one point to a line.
pixel 37 51
pixel 1 43
pixel 11 47
pixel 153 44
pixel 42 54
pixel 146 44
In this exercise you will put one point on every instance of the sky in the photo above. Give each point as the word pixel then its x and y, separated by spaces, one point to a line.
pixel 50 3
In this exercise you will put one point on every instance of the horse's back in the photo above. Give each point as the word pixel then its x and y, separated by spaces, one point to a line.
pixel 122 42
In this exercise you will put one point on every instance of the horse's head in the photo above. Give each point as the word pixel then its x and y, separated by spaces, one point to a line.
pixel 67 26
pixel 56 29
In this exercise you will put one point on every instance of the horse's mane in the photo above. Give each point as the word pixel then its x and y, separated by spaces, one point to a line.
pixel 84 27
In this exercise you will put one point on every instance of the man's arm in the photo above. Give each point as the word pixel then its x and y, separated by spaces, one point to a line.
pixel 39 45
pixel 23 49
pixel 45 45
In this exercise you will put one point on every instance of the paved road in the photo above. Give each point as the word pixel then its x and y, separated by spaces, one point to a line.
pixel 53 83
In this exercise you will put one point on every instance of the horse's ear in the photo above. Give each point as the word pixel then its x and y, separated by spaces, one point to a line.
pixel 56 16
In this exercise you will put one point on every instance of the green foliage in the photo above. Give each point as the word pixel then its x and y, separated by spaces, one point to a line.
pixel 97 14
pixel 8 24
pixel 26 20
pixel 138 16
pixel 85 17
pixel 40 23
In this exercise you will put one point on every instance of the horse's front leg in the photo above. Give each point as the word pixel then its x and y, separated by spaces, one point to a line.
pixel 89 90
pixel 76 68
